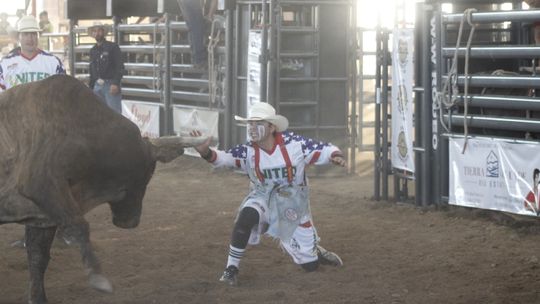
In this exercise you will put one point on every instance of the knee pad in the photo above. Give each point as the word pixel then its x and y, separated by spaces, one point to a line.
pixel 247 218
pixel 311 266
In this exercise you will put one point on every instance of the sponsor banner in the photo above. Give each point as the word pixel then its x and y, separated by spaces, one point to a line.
pixel 495 175
pixel 402 100
pixel 144 115
pixel 186 120
pixel 254 68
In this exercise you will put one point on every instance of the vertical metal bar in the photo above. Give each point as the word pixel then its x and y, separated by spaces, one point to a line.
pixel 270 88
pixel 384 108
pixel 236 62
pixel 426 105
pixel 277 89
pixel 167 121
pixel 116 33
pixel 229 80
pixel 72 44
pixel 264 51
pixel 377 145
pixel 316 19
pixel 352 72
pixel 419 37
pixel 440 175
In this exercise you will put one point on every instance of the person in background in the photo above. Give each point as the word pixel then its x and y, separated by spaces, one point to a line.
pixel 193 14
pixel 106 68
pixel 4 24
pixel 278 203
pixel 44 24
pixel 28 63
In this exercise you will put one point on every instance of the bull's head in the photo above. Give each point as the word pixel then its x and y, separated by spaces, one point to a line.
pixel 126 211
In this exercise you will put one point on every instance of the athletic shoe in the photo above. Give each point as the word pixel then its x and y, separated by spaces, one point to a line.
pixel 230 276
pixel 18 243
pixel 328 257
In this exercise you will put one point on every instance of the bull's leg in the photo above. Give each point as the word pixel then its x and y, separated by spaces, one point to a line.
pixel 38 245
pixel 93 267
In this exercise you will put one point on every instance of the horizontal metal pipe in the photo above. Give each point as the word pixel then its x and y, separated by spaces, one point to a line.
pixel 502 102
pixel 180 48
pixel 300 2
pixel 146 80
pixel 145 48
pixel 140 92
pixel 495 52
pixel 178 26
pixel 298 103
pixel 141 28
pixel 146 67
pixel 190 82
pixel 82 65
pixel 190 96
pixel 62 34
pixel 298 54
pixel 185 68
pixel 496 16
pixel 517 82
pixel 144 102
pixel 505 139
pixel 496 123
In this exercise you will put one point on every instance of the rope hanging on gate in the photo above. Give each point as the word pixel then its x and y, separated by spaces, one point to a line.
pixel 449 95
pixel 156 72
pixel 212 67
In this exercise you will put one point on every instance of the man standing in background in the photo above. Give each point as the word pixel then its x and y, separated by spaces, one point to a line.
pixel 193 14
pixel 106 68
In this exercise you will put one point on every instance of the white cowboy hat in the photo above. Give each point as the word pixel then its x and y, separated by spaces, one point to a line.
pixel 106 27
pixel 264 111
pixel 28 24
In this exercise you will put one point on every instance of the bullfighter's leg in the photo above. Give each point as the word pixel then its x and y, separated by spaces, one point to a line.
pixel 38 245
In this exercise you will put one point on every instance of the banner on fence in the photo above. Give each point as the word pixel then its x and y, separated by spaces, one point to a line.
pixel 494 174
pixel 186 120
pixel 402 105
pixel 254 68
pixel 144 115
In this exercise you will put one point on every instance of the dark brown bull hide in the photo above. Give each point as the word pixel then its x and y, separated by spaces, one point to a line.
pixel 62 153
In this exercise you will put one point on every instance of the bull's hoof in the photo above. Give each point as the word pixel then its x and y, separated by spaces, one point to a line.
pixel 101 283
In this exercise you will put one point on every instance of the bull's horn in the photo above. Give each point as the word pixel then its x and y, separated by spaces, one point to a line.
pixel 165 149
pixel 177 141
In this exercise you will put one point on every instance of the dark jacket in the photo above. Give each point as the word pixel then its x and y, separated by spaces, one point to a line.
pixel 106 63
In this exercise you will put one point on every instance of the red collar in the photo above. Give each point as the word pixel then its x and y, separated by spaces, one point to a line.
pixel 30 58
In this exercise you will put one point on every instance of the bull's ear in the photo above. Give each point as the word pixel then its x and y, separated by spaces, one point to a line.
pixel 165 149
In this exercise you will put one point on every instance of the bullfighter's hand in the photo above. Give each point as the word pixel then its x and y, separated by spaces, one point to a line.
pixel 114 89
pixel 205 146
pixel 338 160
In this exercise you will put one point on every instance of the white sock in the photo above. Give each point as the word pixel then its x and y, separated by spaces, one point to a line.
pixel 235 255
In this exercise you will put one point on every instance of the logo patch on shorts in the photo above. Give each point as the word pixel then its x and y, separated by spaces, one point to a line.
pixel 291 214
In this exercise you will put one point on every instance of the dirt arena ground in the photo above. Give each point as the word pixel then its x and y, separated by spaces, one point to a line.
pixel 393 253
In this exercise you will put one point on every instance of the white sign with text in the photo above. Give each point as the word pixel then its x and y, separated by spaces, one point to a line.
pixel 494 174
pixel 144 115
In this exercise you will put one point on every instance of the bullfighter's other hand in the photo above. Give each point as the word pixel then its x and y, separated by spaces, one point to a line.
pixel 203 148
pixel 338 160
pixel 114 89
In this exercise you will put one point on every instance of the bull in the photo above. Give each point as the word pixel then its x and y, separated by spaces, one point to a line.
pixel 62 153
